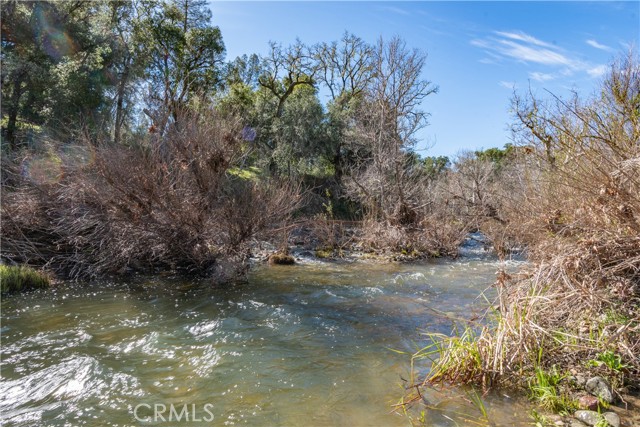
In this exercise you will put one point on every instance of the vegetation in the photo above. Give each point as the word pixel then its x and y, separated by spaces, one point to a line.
pixel 572 198
pixel 21 278
pixel 129 144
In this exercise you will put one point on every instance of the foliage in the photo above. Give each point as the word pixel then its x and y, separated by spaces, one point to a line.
pixel 609 359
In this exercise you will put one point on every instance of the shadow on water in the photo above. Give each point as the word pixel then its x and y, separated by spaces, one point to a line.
pixel 295 345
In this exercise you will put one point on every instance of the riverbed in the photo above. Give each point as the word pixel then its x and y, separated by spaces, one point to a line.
pixel 319 343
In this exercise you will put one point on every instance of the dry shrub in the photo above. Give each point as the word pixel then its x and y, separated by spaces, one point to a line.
pixel 575 201
pixel 169 204
pixel 432 237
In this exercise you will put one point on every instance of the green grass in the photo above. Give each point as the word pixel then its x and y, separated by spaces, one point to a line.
pixel 543 388
pixel 609 359
pixel 251 173
pixel 21 278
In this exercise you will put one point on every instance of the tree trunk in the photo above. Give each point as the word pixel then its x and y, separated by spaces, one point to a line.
pixel 119 121
pixel 13 109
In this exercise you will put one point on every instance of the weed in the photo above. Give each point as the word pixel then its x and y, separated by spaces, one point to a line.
pixel 609 359
pixel 543 389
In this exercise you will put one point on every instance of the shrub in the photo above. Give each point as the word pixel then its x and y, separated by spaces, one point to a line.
pixel 575 201
pixel 168 203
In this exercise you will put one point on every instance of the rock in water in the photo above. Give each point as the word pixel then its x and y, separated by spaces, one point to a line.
pixel 599 387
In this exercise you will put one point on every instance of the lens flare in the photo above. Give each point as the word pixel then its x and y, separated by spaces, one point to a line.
pixel 42 170
pixel 55 42
pixel 77 156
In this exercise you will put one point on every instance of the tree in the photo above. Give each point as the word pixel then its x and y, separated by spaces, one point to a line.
pixel 386 124
pixel 345 68
pixel 285 69
pixel 186 58
pixel 53 54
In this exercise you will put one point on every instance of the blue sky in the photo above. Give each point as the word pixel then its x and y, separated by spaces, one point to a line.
pixel 478 52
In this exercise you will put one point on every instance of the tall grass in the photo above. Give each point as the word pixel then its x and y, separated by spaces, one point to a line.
pixel 574 200
pixel 21 278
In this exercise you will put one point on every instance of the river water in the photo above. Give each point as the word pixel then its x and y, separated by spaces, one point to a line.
pixel 305 345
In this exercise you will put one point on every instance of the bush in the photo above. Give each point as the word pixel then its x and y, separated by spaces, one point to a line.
pixel 574 200
pixel 168 203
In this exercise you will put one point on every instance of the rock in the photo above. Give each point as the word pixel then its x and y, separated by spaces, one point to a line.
pixel 581 380
pixel 599 387
pixel 588 402
pixel 612 418
pixel 592 418
pixel 576 423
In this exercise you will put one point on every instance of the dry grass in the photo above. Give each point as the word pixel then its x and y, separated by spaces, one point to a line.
pixel 581 296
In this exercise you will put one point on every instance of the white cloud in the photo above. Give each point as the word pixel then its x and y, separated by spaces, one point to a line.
pixel 523 37
pixel 508 85
pixel 597 45
pixel 522 47
pixel 532 54
pixel 396 10
pixel 541 77
pixel 597 71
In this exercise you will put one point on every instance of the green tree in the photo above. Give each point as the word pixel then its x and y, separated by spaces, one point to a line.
pixel 54 55
pixel 186 58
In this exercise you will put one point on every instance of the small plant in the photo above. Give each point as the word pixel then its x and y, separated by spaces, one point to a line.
pixel 324 253
pixel 609 359
pixel 21 278
pixel 544 390
pixel 477 401
pixel 281 259
pixel 539 420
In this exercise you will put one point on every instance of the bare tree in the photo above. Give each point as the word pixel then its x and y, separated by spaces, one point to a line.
pixel 287 68
pixel 387 123
pixel 346 69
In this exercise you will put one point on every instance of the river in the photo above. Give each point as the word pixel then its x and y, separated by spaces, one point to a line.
pixel 304 345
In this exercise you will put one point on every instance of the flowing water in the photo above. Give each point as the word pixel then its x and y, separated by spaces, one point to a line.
pixel 304 345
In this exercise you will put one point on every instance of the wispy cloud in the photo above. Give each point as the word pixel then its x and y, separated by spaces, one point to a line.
pixel 525 48
pixel 597 45
pixel 597 71
pixel 523 37
pixel 508 85
pixel 541 77
pixel 396 10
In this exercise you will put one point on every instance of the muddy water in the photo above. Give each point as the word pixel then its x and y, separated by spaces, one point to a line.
pixel 304 345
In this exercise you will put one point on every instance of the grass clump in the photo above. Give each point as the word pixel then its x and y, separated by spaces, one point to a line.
pixel 21 278
pixel 281 259
pixel 544 389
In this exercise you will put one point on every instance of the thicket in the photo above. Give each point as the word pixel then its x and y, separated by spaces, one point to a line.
pixel 569 193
